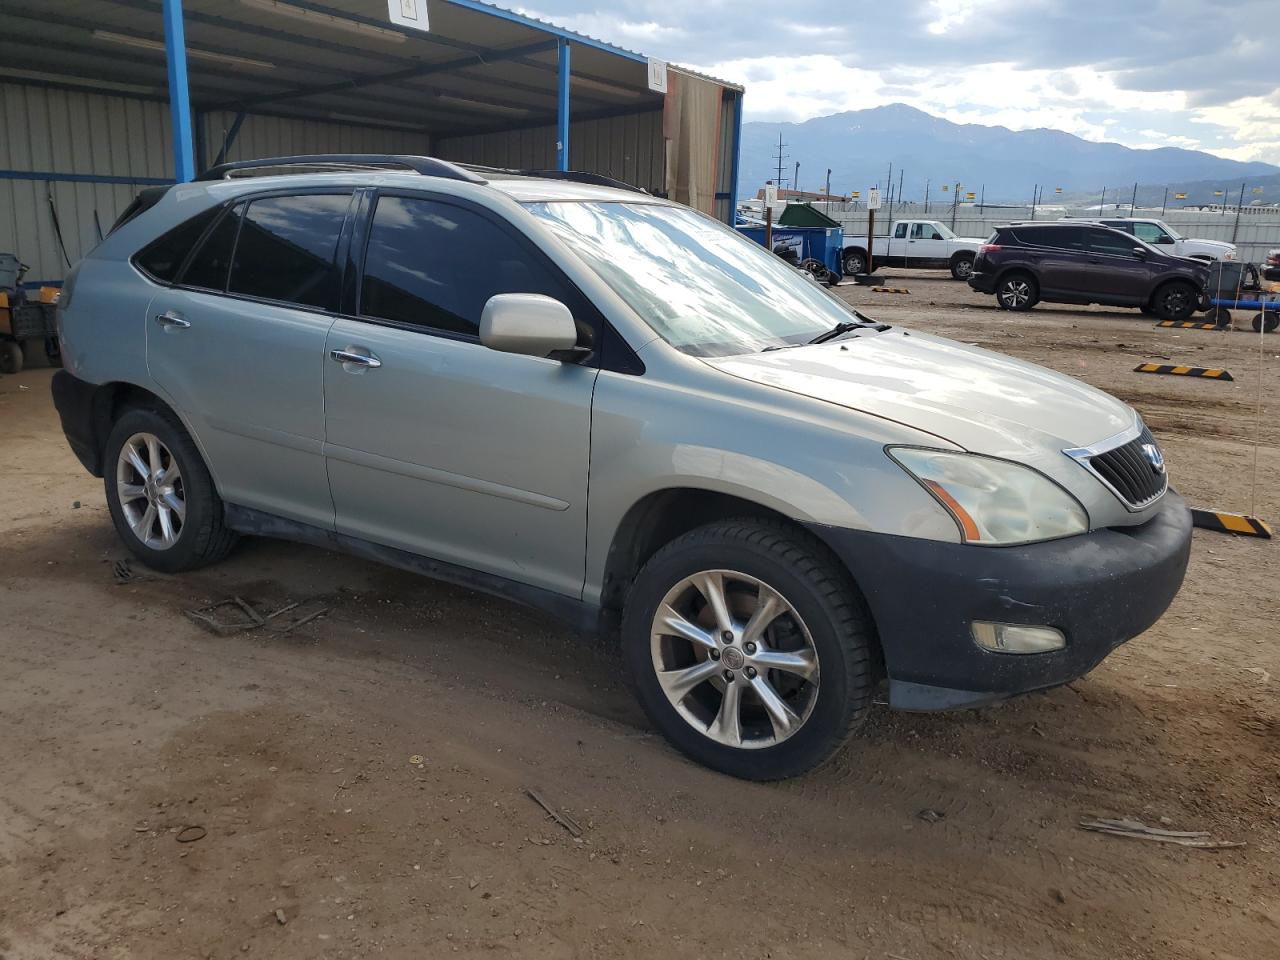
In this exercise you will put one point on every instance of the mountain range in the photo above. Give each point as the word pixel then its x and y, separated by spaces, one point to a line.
pixel 859 145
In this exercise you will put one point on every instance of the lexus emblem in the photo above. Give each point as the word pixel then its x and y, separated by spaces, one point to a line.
pixel 1154 457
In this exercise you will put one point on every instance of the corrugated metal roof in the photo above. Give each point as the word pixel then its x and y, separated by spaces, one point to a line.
pixel 482 67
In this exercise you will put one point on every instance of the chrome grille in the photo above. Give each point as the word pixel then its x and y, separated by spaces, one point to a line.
pixel 1133 471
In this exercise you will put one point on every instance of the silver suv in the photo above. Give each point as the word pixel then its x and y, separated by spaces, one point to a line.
pixel 596 402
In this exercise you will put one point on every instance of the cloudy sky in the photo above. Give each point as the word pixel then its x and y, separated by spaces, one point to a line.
pixel 1203 74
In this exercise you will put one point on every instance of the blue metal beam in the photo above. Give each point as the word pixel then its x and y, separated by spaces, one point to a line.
pixel 51 177
pixel 175 48
pixel 562 109
pixel 737 158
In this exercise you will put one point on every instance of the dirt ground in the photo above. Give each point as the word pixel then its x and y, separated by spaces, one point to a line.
pixel 365 774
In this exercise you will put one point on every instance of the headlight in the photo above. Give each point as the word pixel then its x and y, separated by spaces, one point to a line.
pixel 994 502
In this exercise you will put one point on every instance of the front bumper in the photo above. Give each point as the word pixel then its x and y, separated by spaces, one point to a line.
pixel 1100 589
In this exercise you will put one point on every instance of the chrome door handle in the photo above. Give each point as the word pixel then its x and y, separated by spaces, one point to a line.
pixel 349 356
pixel 171 320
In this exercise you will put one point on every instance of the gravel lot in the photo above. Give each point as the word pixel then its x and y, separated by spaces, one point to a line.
pixel 364 774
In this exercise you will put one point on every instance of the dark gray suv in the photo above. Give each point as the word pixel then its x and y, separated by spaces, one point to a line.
pixel 1026 263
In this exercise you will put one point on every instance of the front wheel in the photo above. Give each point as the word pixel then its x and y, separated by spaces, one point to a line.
pixel 11 356
pixel 749 649
pixel 1175 301
pixel 962 266
pixel 1017 292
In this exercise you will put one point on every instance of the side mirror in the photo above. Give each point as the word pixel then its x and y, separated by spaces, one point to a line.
pixel 529 324
pixel 1164 239
pixel 1140 252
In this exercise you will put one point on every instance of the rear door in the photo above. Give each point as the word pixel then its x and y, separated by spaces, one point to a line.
pixel 1118 274
pixel 436 444
pixel 1058 255
pixel 238 344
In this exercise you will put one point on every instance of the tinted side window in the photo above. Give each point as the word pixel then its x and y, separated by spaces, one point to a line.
pixel 287 249
pixel 162 257
pixel 1114 244
pixel 1062 238
pixel 900 231
pixel 208 268
pixel 435 265
pixel 1149 232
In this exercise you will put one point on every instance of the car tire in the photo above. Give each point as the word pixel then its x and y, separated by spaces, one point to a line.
pixel 1017 291
pixel 1267 321
pixel 160 494
pixel 1175 301
pixel 962 266
pixel 1220 317
pixel 855 262
pixel 758 704
pixel 11 356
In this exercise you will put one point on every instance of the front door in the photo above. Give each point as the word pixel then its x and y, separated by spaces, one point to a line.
pixel 436 444
pixel 237 344
pixel 1118 273
pixel 926 246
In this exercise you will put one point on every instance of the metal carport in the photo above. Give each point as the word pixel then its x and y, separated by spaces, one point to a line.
pixel 90 85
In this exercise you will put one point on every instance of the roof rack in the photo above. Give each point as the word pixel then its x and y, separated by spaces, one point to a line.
pixel 573 176
pixel 335 162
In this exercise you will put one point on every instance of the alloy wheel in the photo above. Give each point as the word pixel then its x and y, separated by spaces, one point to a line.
pixel 854 264
pixel 735 659
pixel 150 490
pixel 1015 293
pixel 963 269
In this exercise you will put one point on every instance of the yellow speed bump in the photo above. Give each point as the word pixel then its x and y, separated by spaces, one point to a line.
pixel 890 290
pixel 1182 371
pixel 1187 325
pixel 1231 523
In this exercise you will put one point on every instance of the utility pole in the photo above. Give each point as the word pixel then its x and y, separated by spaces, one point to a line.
pixel 781 156
pixel 955 202
pixel 1133 202
pixel 1164 203
pixel 1239 203
pixel 795 179
pixel 828 191
pixel 899 186
pixel 1103 202
pixel 926 197
pixel 1034 188
pixel 982 199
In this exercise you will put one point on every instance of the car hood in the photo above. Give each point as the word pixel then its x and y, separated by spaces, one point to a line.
pixel 1210 244
pixel 982 401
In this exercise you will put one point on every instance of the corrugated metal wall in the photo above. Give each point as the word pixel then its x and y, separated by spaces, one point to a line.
pixel 53 131
pixel 628 148
pixel 724 178
pixel 280 137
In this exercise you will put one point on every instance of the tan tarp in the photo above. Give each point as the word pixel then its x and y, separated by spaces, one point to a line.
pixel 691 128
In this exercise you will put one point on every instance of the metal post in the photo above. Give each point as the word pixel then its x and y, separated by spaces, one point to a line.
pixel 1164 203
pixel 926 197
pixel 828 191
pixel 871 240
pixel 1239 203
pixel 1134 200
pixel 899 185
pixel 795 179
pixel 1103 202
pixel 955 203
pixel 737 156
pixel 175 49
pixel 982 200
pixel 1034 188
pixel 562 115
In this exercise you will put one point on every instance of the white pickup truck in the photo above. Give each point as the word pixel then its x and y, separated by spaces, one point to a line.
pixel 914 243
pixel 1168 239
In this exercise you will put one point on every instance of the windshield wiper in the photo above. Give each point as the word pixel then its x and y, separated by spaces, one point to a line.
pixel 848 326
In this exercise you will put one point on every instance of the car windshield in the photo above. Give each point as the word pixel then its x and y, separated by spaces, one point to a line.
pixel 704 288
pixel 1169 230
pixel 947 232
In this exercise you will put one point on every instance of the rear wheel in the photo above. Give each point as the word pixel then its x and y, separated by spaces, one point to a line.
pixel 855 262
pixel 1220 317
pixel 749 649
pixel 1175 301
pixel 1017 291
pixel 161 497
pixel 1266 321
pixel 962 266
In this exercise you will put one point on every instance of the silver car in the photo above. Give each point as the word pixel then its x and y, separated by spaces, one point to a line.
pixel 605 405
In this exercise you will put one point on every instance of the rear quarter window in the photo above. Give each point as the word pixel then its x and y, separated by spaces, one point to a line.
pixel 163 257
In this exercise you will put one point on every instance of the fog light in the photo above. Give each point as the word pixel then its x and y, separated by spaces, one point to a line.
pixel 1017 638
